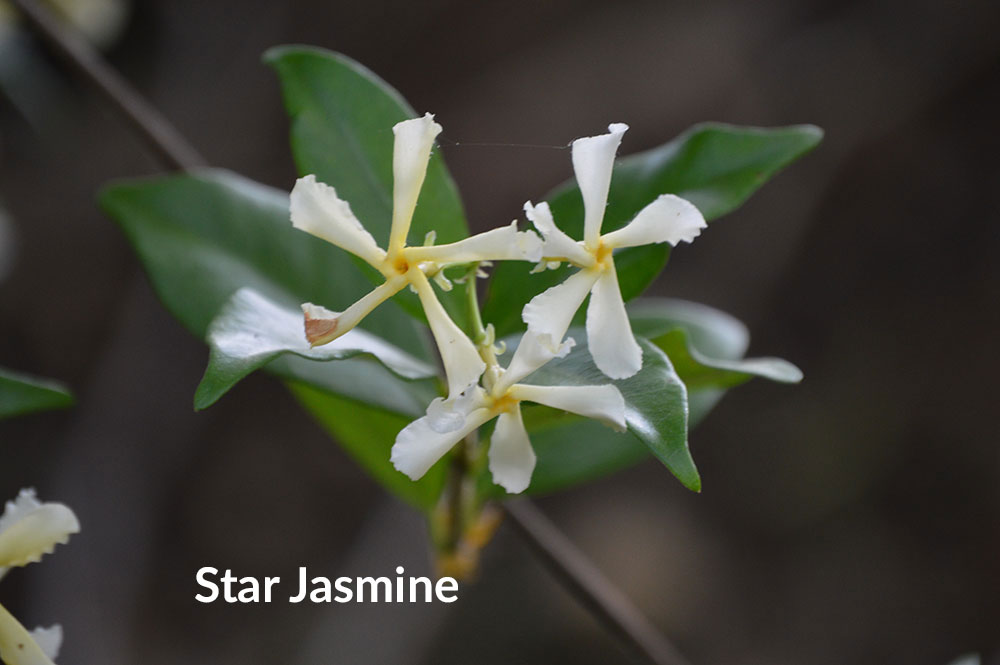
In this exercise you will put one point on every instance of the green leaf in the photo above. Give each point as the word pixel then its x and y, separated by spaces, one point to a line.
pixel 251 332
pixel 367 434
pixel 706 347
pixel 573 450
pixel 342 117
pixel 655 409
pixel 716 167
pixel 714 332
pixel 21 394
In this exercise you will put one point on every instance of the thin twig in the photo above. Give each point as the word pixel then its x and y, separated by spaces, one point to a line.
pixel 572 568
pixel 162 137
pixel 569 565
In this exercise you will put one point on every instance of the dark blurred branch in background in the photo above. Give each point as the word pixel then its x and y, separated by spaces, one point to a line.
pixel 589 585
pixel 159 134
pixel 569 565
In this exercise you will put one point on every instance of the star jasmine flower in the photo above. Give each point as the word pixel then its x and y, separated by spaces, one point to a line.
pixel 667 219
pixel 316 209
pixel 511 459
pixel 28 530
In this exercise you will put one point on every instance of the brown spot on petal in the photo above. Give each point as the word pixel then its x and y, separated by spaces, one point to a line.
pixel 320 331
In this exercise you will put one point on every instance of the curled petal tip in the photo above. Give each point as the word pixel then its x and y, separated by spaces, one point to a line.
pixel 529 245
pixel 445 416
pixel 669 218
pixel 48 640
pixel 686 221
pixel 320 324
pixel 425 122
pixel 567 345
pixel 30 529
pixel 614 134
pixel 531 210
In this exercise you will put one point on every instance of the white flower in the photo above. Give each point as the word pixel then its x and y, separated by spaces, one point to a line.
pixel 28 530
pixel 511 459
pixel 316 209
pixel 667 219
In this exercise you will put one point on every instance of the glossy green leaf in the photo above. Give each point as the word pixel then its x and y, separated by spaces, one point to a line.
pixel 367 434
pixel 706 347
pixel 251 332
pixel 573 450
pixel 714 332
pixel 342 116
pixel 655 410
pixel 717 167
pixel 21 394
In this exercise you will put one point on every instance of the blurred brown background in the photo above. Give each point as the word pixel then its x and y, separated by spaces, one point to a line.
pixel 852 519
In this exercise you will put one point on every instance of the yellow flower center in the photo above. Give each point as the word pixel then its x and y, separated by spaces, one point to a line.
pixel 397 265
pixel 504 404
pixel 602 255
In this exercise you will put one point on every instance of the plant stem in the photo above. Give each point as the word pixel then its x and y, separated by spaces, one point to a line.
pixel 168 144
pixel 567 563
pixel 571 567
pixel 482 335
pixel 475 318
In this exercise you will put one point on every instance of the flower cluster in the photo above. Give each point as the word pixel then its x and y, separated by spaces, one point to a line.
pixel 317 209
pixel 479 389
pixel 29 530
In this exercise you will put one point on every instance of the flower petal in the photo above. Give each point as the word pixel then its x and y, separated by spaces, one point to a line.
pixel 609 334
pixel 448 415
pixel 529 356
pixel 320 323
pixel 557 245
pixel 418 445
pixel 462 363
pixel 549 314
pixel 593 161
pixel 411 152
pixel 316 209
pixel 49 640
pixel 323 325
pixel 17 647
pixel 512 460
pixel 503 244
pixel 604 403
pixel 29 529
pixel 667 219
